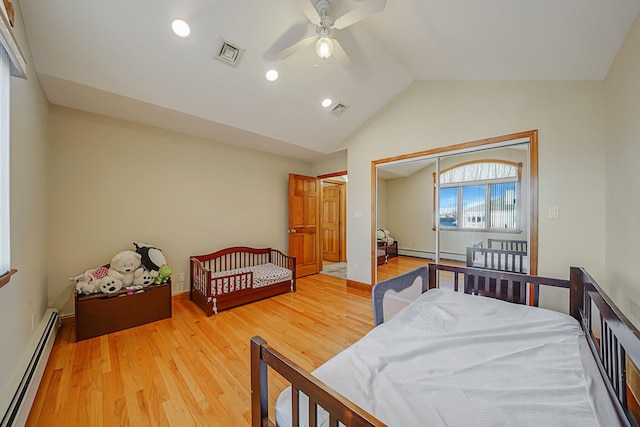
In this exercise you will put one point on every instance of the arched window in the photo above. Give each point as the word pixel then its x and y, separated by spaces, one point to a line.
pixel 480 195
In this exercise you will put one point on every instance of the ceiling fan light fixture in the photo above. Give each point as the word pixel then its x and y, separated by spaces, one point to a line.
pixel 324 47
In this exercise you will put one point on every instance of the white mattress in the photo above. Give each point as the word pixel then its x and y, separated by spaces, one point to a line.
pixel 451 359
pixel 263 275
pixel 502 260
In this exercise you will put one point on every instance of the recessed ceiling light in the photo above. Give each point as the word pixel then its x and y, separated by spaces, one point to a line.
pixel 181 28
pixel 272 75
pixel 327 102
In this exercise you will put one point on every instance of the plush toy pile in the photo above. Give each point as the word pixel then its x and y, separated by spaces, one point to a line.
pixel 128 269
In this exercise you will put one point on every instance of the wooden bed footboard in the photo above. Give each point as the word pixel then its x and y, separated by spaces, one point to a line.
pixel 340 409
pixel 220 280
pixel 614 343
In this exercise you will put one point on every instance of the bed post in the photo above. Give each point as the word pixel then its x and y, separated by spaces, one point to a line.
pixel 259 384
pixel 576 293
pixel 433 282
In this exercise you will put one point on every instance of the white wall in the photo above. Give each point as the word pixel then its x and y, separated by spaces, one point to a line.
pixel 26 293
pixel 622 95
pixel 570 120
pixel 114 182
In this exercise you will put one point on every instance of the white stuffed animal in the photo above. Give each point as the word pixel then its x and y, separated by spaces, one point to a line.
pixel 123 268
pixel 142 277
pixel 109 285
pixel 89 281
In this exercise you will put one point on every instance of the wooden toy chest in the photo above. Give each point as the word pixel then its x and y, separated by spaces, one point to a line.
pixel 100 314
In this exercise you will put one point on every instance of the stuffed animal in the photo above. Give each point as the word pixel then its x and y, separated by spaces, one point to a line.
pixel 89 281
pixel 124 266
pixel 163 274
pixel 109 285
pixel 152 258
pixel 383 236
pixel 142 277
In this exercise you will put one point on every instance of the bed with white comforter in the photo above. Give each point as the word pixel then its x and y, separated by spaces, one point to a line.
pixel 452 359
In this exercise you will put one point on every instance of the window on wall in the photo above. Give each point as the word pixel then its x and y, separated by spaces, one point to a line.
pixel 5 259
pixel 12 63
pixel 480 195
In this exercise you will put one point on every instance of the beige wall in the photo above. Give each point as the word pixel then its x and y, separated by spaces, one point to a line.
pixel 382 205
pixel 622 95
pixel 114 182
pixel 26 293
pixel 335 163
pixel 79 190
pixel 570 120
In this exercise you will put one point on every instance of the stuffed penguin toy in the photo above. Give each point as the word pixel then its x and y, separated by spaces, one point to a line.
pixel 152 257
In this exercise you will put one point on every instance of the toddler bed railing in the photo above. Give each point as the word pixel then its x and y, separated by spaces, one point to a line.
pixel 617 345
pixel 238 275
pixel 501 254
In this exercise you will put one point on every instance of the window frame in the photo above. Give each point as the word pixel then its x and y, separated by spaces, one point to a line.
pixel 16 67
pixel 487 184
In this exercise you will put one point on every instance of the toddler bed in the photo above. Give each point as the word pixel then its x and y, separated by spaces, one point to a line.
pixel 238 275
pixel 381 254
pixel 501 254
pixel 454 358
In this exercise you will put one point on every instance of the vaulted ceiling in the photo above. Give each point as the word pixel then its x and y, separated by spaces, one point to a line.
pixel 121 59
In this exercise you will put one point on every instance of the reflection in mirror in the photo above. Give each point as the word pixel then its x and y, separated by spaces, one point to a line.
pixel 471 207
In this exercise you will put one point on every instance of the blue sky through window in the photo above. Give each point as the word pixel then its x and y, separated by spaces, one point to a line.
pixel 474 205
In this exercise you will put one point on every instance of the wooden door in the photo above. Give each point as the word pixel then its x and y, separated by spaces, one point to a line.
pixel 304 226
pixel 331 223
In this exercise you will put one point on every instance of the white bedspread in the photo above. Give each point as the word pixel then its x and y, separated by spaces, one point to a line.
pixel 451 359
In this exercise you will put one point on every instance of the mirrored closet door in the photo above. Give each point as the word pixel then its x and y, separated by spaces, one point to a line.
pixel 470 204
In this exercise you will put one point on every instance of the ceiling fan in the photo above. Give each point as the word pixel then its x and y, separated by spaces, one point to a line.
pixel 317 12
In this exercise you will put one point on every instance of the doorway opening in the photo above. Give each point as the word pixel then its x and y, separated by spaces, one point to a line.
pixel 333 222
pixel 317 223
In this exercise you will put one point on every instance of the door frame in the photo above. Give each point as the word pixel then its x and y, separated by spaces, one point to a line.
pixel 343 215
pixel 305 229
pixel 532 135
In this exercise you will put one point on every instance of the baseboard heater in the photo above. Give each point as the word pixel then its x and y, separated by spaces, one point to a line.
pixel 416 253
pixel 25 385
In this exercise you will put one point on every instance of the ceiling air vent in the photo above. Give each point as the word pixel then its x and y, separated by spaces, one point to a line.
pixel 228 53
pixel 338 109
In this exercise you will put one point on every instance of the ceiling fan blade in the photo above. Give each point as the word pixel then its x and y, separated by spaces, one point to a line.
pixel 285 53
pixel 340 54
pixel 309 10
pixel 358 14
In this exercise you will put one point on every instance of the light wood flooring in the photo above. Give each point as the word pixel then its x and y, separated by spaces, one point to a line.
pixel 194 370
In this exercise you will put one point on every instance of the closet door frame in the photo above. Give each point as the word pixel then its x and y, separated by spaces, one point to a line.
pixel 467 147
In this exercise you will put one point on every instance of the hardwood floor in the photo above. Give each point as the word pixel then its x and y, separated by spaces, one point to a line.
pixel 399 265
pixel 191 369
